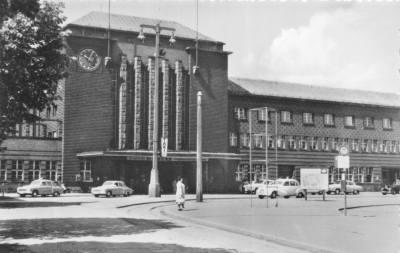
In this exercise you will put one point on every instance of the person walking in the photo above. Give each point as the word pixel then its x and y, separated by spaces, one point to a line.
pixel 180 193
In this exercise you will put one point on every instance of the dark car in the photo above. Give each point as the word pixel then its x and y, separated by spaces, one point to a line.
pixel 393 189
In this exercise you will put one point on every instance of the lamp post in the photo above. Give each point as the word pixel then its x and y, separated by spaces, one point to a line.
pixel 154 186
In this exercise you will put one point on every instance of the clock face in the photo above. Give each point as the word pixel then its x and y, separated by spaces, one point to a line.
pixel 88 59
pixel 344 150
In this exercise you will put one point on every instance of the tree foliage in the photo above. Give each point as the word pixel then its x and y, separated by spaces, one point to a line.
pixel 32 61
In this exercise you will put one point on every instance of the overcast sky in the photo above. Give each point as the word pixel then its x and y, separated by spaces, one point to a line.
pixel 353 45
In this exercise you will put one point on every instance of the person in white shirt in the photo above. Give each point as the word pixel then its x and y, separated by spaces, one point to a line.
pixel 180 193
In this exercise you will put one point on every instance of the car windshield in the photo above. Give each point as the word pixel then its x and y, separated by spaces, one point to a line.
pixel 35 183
pixel 107 183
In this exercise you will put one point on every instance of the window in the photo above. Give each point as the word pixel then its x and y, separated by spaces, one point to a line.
pixel 240 173
pixel 364 145
pixel 335 143
pixel 270 142
pixel 349 120
pixel 244 139
pixel 345 142
pixel 324 143
pixel 263 173
pixel 387 123
pixel 240 113
pixel 382 147
pixel 258 141
pixel 233 139
pixel 86 171
pixel 354 145
pixel 331 174
pixel 313 143
pixel 34 170
pixel 328 119
pixel 280 141
pixel 262 115
pixel 368 122
pixel 54 110
pixel 360 174
pixel 291 142
pixel 48 112
pixel 51 170
pixel 368 174
pixel 286 116
pixel 3 170
pixel 392 146
pixel 374 145
pixel 350 174
pixel 338 176
pixel 17 171
pixel 307 118
pixel 302 142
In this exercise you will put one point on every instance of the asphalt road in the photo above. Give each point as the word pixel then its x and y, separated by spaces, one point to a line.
pixel 222 223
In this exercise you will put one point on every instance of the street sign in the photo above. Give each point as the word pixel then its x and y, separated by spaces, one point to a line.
pixel 342 162
pixel 164 146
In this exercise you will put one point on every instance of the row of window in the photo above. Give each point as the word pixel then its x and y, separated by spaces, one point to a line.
pixel 259 171
pixel 36 170
pixel 309 118
pixel 36 130
pixel 313 143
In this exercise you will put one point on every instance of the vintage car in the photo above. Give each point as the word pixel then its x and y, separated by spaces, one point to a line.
pixel 393 189
pixel 112 188
pixel 351 187
pixel 280 187
pixel 252 188
pixel 41 187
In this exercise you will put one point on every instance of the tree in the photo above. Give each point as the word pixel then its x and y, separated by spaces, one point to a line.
pixel 32 61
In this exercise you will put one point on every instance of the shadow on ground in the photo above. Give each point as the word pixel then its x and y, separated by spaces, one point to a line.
pixel 23 204
pixel 48 229
pixel 100 247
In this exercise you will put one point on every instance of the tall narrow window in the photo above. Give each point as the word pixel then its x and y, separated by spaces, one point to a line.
pixel 17 172
pixel 291 142
pixel 51 170
pixel 240 113
pixel 331 174
pixel 303 142
pixel 48 112
pixel 364 145
pixel 239 173
pixel 368 174
pixel 34 170
pixel 324 143
pixel 328 119
pixel 270 141
pixel 258 141
pixel 354 145
pixel 368 122
pixel 286 116
pixel 313 143
pixel 349 120
pixel 350 174
pixel 262 115
pixel 3 170
pixel 392 146
pixel 360 174
pixel 307 118
pixel 245 140
pixel 387 123
pixel 233 139
pixel 382 147
pixel 345 142
pixel 374 145
pixel 335 143
pixel 86 171
pixel 280 141
pixel 54 110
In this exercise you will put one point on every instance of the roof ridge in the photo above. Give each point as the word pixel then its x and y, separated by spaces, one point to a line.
pixel 125 15
pixel 319 86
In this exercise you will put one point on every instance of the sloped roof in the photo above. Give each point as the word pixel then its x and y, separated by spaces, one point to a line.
pixel 244 86
pixel 98 19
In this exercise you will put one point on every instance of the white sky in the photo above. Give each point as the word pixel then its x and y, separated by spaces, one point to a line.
pixel 346 44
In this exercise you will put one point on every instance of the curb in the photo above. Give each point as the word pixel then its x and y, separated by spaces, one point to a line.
pixel 272 239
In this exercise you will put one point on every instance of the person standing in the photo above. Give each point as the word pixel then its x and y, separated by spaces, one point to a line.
pixel 180 193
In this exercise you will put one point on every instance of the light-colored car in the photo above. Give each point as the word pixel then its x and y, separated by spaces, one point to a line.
pixel 252 188
pixel 42 187
pixel 280 187
pixel 351 187
pixel 112 188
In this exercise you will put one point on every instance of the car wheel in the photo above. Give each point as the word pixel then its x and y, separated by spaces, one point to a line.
pixel 393 192
pixel 273 195
pixel 96 195
pixel 128 193
pixel 313 193
pixel 286 197
pixel 384 193
pixel 261 196
pixel 328 192
pixel 320 193
pixel 125 194
pixel 337 191
pixel 300 195
pixel 22 195
pixel 56 194
pixel 108 194
pixel 355 192
pixel 35 193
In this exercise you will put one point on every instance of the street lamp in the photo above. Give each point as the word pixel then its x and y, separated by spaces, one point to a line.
pixel 154 186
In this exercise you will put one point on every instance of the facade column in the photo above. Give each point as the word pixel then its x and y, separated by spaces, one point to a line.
pixel 179 105
pixel 138 103
pixel 122 105
pixel 165 98
pixel 151 68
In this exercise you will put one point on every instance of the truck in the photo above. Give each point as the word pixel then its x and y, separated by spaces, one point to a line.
pixel 313 180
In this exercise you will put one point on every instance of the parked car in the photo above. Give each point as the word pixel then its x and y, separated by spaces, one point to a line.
pixel 42 187
pixel 351 187
pixel 280 187
pixel 252 188
pixel 393 189
pixel 112 188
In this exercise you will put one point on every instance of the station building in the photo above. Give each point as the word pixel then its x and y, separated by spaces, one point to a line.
pixel 107 115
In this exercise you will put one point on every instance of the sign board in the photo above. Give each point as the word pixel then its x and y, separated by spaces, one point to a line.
pixel 344 150
pixel 164 146
pixel 314 179
pixel 342 162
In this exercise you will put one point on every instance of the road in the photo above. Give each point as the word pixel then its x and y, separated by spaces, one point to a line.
pixel 222 223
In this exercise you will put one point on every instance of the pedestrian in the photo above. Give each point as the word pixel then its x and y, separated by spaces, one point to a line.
pixel 180 193
pixel 174 185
